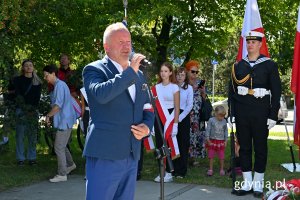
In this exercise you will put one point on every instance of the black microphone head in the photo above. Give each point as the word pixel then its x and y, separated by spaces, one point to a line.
pixel 146 62
pixel 143 62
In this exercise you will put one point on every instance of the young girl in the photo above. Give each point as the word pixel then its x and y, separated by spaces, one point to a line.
pixel 184 126
pixel 216 138
pixel 167 104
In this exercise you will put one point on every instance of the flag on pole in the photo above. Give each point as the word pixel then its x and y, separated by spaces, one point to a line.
pixel 295 84
pixel 252 22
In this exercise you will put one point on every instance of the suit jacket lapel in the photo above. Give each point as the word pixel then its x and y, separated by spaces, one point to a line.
pixel 128 93
pixel 111 67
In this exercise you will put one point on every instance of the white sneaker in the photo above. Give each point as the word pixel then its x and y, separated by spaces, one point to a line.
pixel 157 179
pixel 58 178
pixel 168 178
pixel 71 168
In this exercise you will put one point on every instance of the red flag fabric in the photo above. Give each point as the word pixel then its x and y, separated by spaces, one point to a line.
pixel 295 84
pixel 252 22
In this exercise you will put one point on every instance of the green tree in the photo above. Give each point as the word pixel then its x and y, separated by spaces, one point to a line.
pixel 162 30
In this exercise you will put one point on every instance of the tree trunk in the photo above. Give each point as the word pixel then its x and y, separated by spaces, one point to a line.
pixel 189 53
pixel 162 40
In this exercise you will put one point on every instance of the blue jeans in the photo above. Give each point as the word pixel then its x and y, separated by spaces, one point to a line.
pixel 110 179
pixel 26 126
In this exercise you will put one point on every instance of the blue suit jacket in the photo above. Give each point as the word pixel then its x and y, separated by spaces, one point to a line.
pixel 113 112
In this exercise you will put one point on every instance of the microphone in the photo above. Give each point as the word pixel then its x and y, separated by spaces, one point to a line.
pixel 144 62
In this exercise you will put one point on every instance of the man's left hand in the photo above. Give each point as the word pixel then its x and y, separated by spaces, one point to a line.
pixel 140 131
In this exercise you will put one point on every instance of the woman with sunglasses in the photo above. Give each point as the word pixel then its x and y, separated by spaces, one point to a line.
pixel 197 134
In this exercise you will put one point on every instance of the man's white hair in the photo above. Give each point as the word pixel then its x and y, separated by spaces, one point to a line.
pixel 113 28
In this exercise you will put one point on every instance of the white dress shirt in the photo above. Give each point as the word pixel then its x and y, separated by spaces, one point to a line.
pixel 186 101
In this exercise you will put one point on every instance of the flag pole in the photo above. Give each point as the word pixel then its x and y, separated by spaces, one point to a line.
pixel 232 154
pixel 289 141
pixel 125 4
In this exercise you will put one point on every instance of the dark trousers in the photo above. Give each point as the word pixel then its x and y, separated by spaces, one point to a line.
pixel 183 139
pixel 252 131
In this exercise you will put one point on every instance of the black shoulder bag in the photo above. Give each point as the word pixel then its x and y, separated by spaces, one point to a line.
pixel 206 109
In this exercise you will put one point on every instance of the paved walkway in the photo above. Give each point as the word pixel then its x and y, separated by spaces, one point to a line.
pixel 74 189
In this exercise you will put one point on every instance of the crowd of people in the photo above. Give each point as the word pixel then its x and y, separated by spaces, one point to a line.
pixel 23 98
pixel 113 144
pixel 180 98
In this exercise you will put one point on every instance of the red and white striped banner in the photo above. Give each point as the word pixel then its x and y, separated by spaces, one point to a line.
pixel 148 141
pixel 167 121
pixel 252 22
pixel 295 84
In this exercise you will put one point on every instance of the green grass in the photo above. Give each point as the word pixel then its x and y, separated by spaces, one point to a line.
pixel 280 134
pixel 12 175
pixel 277 134
pixel 278 153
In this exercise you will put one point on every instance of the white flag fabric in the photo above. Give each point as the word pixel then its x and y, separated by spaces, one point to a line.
pixel 252 22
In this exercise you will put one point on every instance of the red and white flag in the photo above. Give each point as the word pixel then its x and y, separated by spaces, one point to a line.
pixel 252 22
pixel 295 84
pixel 148 141
pixel 167 120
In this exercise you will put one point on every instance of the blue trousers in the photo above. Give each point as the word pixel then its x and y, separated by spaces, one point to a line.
pixel 110 179
pixel 28 129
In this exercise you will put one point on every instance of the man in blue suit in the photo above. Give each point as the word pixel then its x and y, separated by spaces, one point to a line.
pixel 120 117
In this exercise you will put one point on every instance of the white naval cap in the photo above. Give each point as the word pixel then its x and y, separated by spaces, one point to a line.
pixel 254 35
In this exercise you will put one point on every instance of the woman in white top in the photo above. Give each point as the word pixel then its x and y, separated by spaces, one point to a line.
pixel 183 136
pixel 168 105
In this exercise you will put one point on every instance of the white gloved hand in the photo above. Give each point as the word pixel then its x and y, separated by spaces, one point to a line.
pixel 230 121
pixel 259 92
pixel 242 90
pixel 175 129
pixel 271 123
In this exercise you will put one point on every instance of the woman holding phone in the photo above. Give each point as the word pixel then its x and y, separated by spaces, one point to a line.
pixel 197 133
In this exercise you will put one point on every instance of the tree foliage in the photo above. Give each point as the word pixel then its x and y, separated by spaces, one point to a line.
pixel 175 30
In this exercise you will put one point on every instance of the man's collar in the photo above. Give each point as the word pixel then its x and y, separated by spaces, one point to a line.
pixel 116 64
pixel 261 58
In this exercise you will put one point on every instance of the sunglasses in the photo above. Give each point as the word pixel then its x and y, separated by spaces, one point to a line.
pixel 194 72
